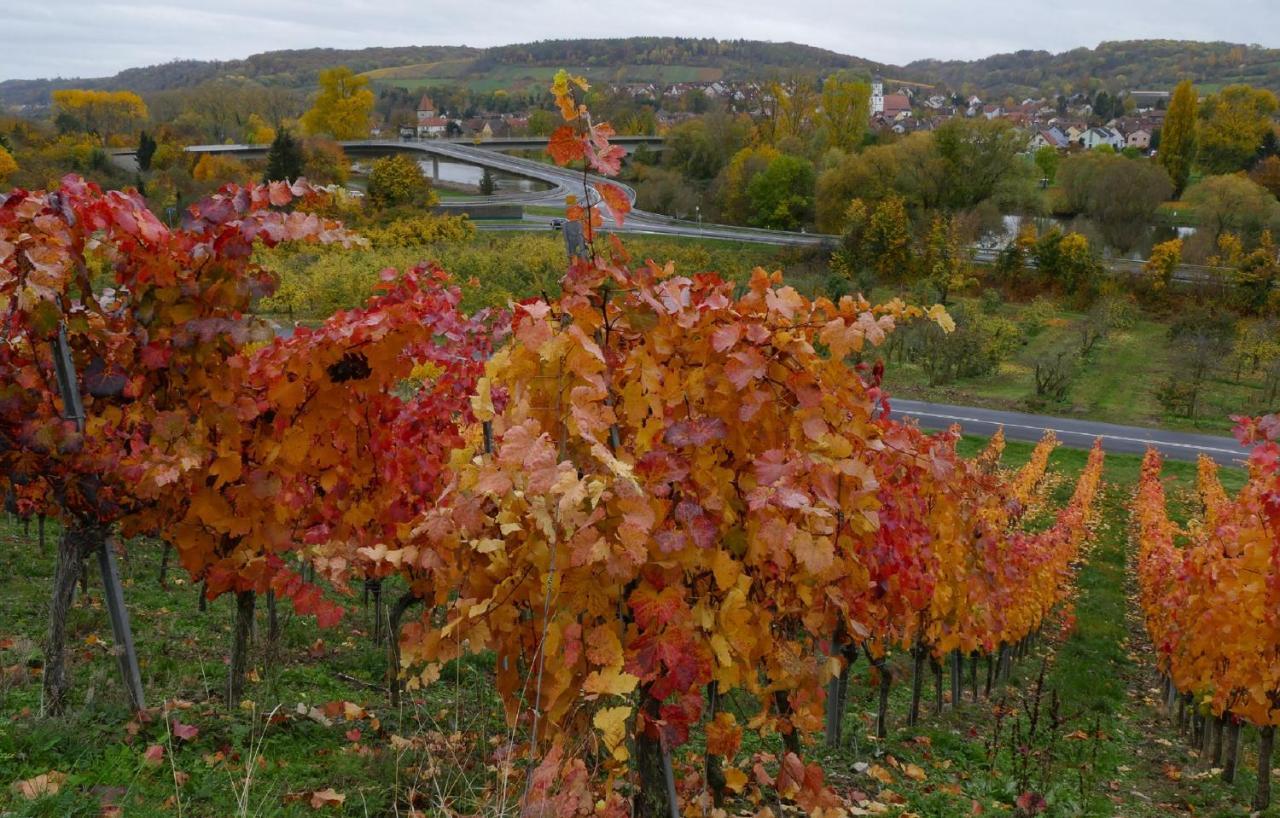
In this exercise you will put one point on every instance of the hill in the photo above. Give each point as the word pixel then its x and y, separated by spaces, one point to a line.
pixel 1131 64
pixel 1145 64
pixel 638 59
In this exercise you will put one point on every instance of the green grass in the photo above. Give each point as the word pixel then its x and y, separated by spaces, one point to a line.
pixel 1099 668
pixel 1117 383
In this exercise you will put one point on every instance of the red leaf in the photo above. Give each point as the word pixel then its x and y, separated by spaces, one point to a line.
pixel 186 732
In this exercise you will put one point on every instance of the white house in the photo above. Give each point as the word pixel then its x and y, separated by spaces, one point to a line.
pixel 429 121
pixel 1051 138
pixel 1096 137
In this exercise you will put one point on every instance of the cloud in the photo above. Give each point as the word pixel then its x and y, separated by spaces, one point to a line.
pixel 77 38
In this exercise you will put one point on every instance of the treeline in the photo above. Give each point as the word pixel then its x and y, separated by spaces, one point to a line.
pixel 751 58
pixel 1125 65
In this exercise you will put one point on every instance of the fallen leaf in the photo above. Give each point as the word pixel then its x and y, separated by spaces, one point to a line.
pixel 915 772
pixel 154 754
pixel 186 732
pixel 880 774
pixel 38 787
pixel 326 798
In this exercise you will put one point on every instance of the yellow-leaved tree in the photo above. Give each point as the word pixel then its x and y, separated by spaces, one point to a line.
pixel 100 113
pixel 342 107
pixel 7 164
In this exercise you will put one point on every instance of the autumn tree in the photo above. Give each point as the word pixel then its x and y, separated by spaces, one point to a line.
pixel 1233 124
pixel 844 112
pixel 342 107
pixel 7 164
pixel 1267 174
pixel 101 113
pixel 1232 203
pixel 1162 263
pixel 398 180
pixel 1178 136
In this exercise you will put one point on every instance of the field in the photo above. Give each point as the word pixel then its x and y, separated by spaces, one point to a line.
pixel 1118 382
pixel 519 77
pixel 315 718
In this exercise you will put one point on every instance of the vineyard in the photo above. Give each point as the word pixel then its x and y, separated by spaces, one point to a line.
pixel 662 522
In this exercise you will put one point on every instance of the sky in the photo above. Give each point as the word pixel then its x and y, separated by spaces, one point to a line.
pixel 94 38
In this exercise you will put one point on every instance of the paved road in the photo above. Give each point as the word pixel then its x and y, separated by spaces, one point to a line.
pixel 1078 434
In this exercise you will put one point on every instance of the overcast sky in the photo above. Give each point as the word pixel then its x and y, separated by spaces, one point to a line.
pixel 91 38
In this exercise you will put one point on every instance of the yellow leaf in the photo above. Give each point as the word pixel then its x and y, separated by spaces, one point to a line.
pixel 611 682
pixel 915 772
pixel 734 779
pixel 612 724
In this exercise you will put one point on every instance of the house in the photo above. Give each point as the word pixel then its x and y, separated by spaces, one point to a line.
pixel 430 124
pixel 1050 138
pixel 1074 133
pixel 877 96
pixel 992 111
pixel 1097 137
pixel 895 104
pixel 1140 139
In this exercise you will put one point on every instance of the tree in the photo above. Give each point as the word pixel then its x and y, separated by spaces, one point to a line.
pixel 1120 194
pixel 1267 174
pixel 487 183
pixel 100 113
pixel 398 180
pixel 220 169
pixel 1178 137
pixel 781 195
pixel 284 158
pixel 844 113
pixel 945 260
pixel 146 150
pixel 1162 263
pixel 735 179
pixel 887 241
pixel 343 106
pixel 7 164
pixel 324 161
pixel 979 157
pixel 1068 261
pixel 1234 203
pixel 1047 160
pixel 1233 125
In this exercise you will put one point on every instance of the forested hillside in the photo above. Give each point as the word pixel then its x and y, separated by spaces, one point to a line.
pixel 1125 65
pixel 1141 64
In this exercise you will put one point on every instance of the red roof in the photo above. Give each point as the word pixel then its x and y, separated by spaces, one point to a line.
pixel 897 102
pixel 426 104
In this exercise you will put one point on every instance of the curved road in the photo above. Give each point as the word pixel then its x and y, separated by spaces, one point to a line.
pixel 1077 434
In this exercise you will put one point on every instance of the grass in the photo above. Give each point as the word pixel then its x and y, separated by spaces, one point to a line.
pixel 1118 382
pixel 296 735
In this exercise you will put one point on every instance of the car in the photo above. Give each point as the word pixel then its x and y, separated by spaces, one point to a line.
pixel 557 224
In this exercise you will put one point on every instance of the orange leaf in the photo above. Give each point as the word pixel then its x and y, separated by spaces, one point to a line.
pixel 566 145
pixel 616 200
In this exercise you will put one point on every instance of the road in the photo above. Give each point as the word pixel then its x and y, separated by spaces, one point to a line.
pixel 1078 434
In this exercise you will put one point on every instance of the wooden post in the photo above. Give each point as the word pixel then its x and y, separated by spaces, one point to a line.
pixel 114 595
pixel 1232 748
pixel 955 678
pixel 574 242
pixel 1266 740
pixel 919 653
